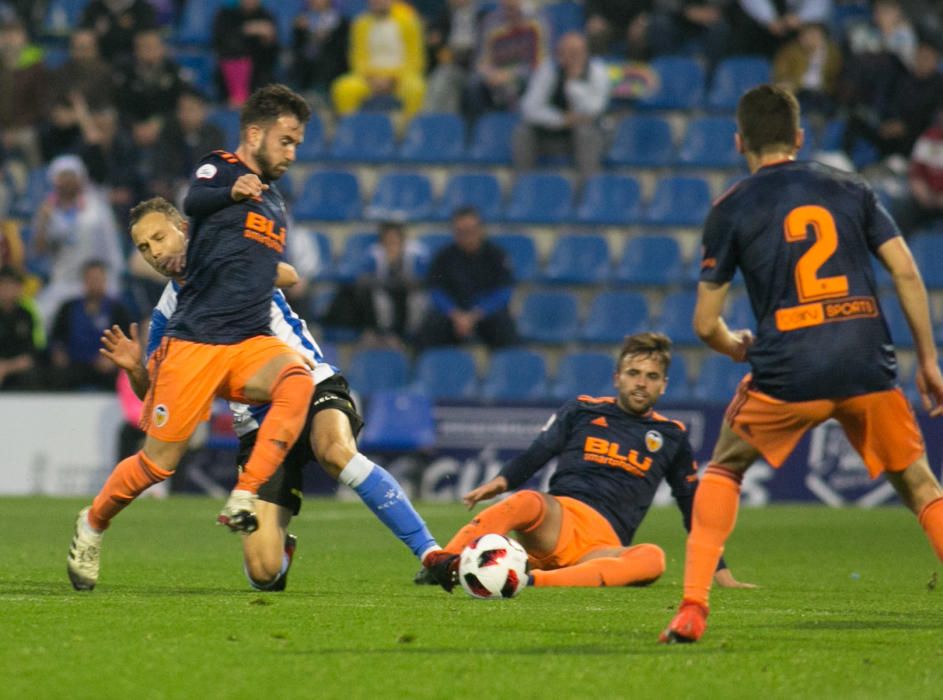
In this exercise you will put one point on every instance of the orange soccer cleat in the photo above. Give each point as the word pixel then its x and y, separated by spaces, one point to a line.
pixel 687 626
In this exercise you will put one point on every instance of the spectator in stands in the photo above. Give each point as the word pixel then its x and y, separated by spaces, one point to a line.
pixel 923 203
pixel 12 251
pixel 512 43
pixel 450 40
pixel 24 87
pixel 246 41
pixel 31 13
pixel 618 26
pixel 21 335
pixel 111 156
pixel 85 72
pixel 469 283
pixel 387 58
pixel 677 25
pixel 319 45
pixel 116 22
pixel 77 331
pixel 809 66
pixel 72 226
pixel 763 26
pixel 562 107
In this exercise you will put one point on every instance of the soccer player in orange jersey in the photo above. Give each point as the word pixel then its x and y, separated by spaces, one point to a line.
pixel 803 235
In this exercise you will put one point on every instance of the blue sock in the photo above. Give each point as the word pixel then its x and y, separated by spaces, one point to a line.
pixel 382 494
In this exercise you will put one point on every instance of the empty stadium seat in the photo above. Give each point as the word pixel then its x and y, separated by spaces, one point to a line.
pixel 228 122
pixel 896 321
pixel 195 26
pixel 708 143
pixel 928 252
pixel 329 195
pixel 401 197
pixel 679 201
pixel 433 138
pixel 198 68
pixel 491 138
pixel 353 258
pixel 540 198
pixel 398 421
pixel 614 315
pixel 584 373
pixel 363 137
pixel 650 260
pixel 578 258
pixel 548 317
pixel 480 190
pixel 734 76
pixel 679 84
pixel 27 201
pixel 739 313
pixel 312 148
pixel 676 315
pixel 679 387
pixel 642 141
pixel 446 373
pixel 515 375
pixel 610 200
pixel 377 370
pixel 434 241
pixel 522 254
pixel 563 17
pixel 718 379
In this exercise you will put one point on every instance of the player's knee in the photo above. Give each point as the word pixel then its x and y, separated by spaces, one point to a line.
pixel 334 456
pixel 648 563
pixel 654 557
pixel 262 566
pixel 529 504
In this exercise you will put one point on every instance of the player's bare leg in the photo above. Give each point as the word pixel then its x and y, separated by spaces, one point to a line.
pixel 920 491
pixel 713 519
pixel 268 550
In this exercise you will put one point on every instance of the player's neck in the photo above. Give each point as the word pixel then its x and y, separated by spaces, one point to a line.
pixel 242 153
pixel 757 161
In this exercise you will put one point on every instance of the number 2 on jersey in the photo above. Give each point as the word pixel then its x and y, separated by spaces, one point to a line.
pixel 809 285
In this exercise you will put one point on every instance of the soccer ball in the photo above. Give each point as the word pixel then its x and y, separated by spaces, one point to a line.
pixel 493 566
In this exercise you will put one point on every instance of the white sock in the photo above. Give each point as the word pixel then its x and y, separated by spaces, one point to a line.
pixel 87 527
pixel 357 469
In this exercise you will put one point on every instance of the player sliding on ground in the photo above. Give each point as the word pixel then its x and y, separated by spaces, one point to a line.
pixel 803 235
pixel 613 453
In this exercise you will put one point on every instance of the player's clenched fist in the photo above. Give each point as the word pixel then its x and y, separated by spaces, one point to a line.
pixel 248 186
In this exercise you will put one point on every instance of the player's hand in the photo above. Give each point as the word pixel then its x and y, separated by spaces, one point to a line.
pixel 930 385
pixel 724 579
pixel 490 489
pixel 125 352
pixel 743 339
pixel 248 186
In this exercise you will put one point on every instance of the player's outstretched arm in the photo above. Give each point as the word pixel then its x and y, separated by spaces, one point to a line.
pixel 710 326
pixel 286 276
pixel 490 489
pixel 126 353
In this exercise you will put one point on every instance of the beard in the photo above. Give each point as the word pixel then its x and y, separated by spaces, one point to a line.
pixel 269 171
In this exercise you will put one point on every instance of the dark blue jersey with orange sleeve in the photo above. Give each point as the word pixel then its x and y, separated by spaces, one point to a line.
pixel 803 235
pixel 611 460
pixel 232 256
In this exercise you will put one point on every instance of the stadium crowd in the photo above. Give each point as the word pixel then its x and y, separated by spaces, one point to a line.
pixel 109 102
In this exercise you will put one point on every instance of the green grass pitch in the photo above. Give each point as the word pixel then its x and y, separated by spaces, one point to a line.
pixel 849 608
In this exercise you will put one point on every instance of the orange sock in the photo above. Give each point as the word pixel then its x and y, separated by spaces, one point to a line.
pixel 640 564
pixel 931 520
pixel 523 510
pixel 291 398
pixel 715 513
pixel 126 482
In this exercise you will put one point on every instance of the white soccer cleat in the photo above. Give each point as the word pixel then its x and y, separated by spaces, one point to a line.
pixel 239 512
pixel 84 554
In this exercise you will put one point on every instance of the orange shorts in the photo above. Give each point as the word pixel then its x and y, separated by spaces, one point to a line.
pixel 187 376
pixel 880 425
pixel 583 530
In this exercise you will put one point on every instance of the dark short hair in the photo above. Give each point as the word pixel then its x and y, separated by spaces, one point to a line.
pixel 768 118
pixel 650 344
pixel 387 226
pixel 155 205
pixel 8 272
pixel 466 210
pixel 94 263
pixel 268 103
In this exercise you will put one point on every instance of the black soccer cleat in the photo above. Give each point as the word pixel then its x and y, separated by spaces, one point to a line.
pixel 291 544
pixel 442 568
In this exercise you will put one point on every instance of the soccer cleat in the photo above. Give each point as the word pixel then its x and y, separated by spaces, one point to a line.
pixel 291 544
pixel 687 626
pixel 239 512
pixel 84 554
pixel 443 569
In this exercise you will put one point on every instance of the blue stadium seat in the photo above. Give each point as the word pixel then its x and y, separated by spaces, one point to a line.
pixel 446 373
pixel 642 141
pixel 896 321
pixel 285 12
pixel 540 198
pixel 364 137
pixel 578 258
pixel 928 252
pixel 228 122
pixel 312 148
pixel 317 240
pixel 27 201
pixel 61 17
pixel 548 317
pixel 718 379
pixel 377 370
pixel 491 138
pixel 434 241
pixel 739 313
pixel 563 17
pixel 433 138
pixel 734 76
pixel 329 195
pixel 650 260
pixel 353 258
pixel 584 373
pixel 679 201
pixel 401 196
pixel 398 421
pixel 515 375
pixel 351 8
pixel 198 67
pixel 679 385
pixel 196 23
pixel 708 143
pixel 680 84
pixel 676 315
pixel 610 200
pixel 522 254
pixel 480 190
pixel 614 315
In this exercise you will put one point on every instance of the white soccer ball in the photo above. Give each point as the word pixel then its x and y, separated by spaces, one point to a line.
pixel 493 566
